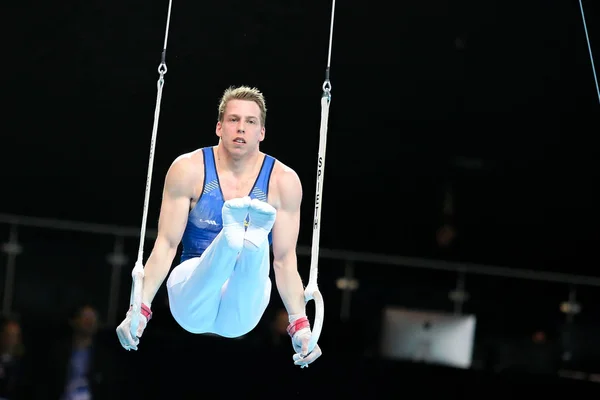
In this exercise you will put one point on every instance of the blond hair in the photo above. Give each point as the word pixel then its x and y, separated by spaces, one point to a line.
pixel 243 93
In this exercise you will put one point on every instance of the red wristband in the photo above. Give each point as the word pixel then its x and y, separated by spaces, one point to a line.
pixel 146 312
pixel 297 325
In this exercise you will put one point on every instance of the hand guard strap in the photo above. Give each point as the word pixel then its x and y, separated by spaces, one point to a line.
pixel 145 311
pixel 297 325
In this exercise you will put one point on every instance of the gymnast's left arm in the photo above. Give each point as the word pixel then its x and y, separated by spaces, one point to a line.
pixel 285 262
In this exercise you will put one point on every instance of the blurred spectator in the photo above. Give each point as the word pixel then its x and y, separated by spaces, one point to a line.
pixel 271 333
pixel 12 378
pixel 278 335
pixel 79 367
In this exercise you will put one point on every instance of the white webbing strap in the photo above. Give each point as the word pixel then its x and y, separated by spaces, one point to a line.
pixel 589 45
pixel 312 290
pixel 138 270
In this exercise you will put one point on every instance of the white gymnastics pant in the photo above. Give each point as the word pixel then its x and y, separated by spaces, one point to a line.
pixel 221 292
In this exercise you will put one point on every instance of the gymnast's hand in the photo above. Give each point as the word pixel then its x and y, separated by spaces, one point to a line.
pixel 129 340
pixel 300 332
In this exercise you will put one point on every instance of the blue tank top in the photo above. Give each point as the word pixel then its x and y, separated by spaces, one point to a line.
pixel 205 221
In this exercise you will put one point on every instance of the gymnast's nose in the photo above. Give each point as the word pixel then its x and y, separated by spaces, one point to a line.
pixel 241 127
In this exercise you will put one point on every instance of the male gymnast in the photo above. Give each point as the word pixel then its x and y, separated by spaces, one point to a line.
pixel 227 204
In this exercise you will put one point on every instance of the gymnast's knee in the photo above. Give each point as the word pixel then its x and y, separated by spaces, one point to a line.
pixel 237 323
pixel 196 324
pixel 209 320
pixel 235 329
pixel 195 314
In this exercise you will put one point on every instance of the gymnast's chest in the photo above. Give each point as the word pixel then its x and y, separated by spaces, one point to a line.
pixel 235 188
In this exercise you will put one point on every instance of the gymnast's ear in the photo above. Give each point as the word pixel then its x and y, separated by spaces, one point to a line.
pixel 262 134
pixel 218 129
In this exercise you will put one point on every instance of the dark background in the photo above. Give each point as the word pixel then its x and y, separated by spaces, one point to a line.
pixel 517 95
pixel 494 99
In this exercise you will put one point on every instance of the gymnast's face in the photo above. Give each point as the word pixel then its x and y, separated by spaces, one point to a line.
pixel 241 129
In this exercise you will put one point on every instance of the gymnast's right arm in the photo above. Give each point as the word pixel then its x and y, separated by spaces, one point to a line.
pixel 177 194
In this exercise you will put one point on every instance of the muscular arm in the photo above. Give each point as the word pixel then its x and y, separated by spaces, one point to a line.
pixel 285 237
pixel 177 194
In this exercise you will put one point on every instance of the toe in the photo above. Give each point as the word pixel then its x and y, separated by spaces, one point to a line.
pixel 243 202
pixel 262 207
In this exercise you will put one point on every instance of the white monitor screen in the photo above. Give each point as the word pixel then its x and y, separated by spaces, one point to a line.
pixel 429 337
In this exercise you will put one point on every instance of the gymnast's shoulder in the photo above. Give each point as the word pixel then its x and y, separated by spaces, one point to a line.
pixel 285 179
pixel 186 168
